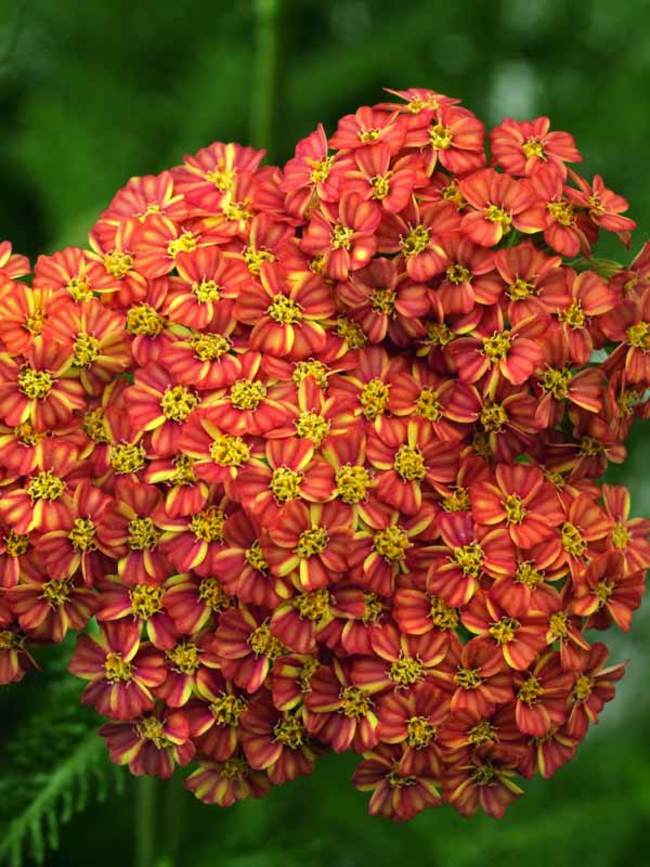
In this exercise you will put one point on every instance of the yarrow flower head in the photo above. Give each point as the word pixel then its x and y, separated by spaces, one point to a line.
pixel 319 447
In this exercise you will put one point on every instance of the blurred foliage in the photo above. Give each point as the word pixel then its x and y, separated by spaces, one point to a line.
pixel 93 93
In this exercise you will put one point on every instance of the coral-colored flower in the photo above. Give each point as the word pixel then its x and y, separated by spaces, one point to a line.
pixel 121 671
pixel 286 318
pixel 520 147
pixel 343 235
pixel 453 136
pixel 154 744
pixel 499 204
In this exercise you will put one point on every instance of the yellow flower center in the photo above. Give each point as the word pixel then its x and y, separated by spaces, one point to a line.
pixel 213 595
pixel 284 310
pixel 229 451
pixel 117 669
pixel 341 237
pixel 470 559
pixel 45 486
pixel 255 258
pixel 206 291
pixel 530 690
pixel 56 593
pixel 227 709
pixel 143 534
pixel 406 671
pixel 320 170
pixel 497 347
pixel 290 733
pixel 527 575
pixel 151 729
pixel 312 542
pixel 82 534
pixel 428 406
pixel 222 178
pixel 556 381
pixel 495 214
pixel 482 733
pixel 183 471
pixel 85 350
pixel 458 501
pixel 314 606
pixel 380 186
pixel 515 509
pixel 441 614
pixel 373 608
pixel 409 464
pixel 583 687
pixel 468 678
pixel 352 483
pixel 562 212
pixel 351 332
pixel 374 398
pixel 316 369
pixel 94 426
pixel 572 540
pixel 146 600
pixel 234 769
pixel 185 243
pixel 177 403
pixel 415 241
pixel 383 301
pixel 26 434
pixel 604 589
pixel 368 135
pixel 184 658
pixel 262 643
pixel 392 543
pixel 440 136
pixel 238 212
pixel 255 558
pixel 533 147
pixel 355 703
pixel 504 630
pixel 16 544
pixel 458 274
pixel 127 458
pixel 620 536
pixel 34 323
pixel 143 319
pixel 247 394
pixel 35 384
pixel 10 640
pixel 574 316
pixel 420 732
pixel 118 264
pixel 638 335
pixel 208 525
pixel 493 417
pixel 483 775
pixel 285 484
pixel 79 289
pixel 558 627
pixel 312 426
pixel 452 193
pixel 520 289
pixel 438 334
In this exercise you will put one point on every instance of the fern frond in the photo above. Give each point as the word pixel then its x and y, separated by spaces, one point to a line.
pixel 54 763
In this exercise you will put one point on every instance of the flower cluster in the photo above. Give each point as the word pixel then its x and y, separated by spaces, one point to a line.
pixel 314 452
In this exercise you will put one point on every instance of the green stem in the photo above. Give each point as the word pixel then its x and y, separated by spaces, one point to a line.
pixel 266 74
pixel 145 821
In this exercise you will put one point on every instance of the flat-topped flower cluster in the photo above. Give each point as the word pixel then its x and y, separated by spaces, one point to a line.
pixel 309 458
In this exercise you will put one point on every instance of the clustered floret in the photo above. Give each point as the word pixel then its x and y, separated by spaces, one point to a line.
pixel 314 450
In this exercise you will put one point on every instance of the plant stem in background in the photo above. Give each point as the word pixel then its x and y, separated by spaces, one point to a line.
pixel 145 818
pixel 267 79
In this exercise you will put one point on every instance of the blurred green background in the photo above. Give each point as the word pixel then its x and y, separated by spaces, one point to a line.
pixel 94 92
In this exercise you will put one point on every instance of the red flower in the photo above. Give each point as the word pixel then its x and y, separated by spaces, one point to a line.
pixel 286 318
pixel 605 593
pixel 542 696
pixel 247 649
pixel 518 639
pixel 366 127
pixel 338 712
pixel 593 688
pixel 520 147
pixel 484 780
pixel 275 741
pixel 454 136
pixel 499 204
pixel 121 671
pixel 401 787
pixel 343 235
pixel 224 783
pixel 154 744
